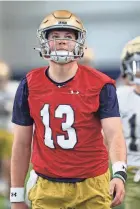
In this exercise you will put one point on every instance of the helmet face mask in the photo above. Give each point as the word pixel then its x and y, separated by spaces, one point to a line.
pixel 131 61
pixel 132 67
pixel 61 21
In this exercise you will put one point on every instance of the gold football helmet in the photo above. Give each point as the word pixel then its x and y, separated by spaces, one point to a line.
pixel 61 19
pixel 130 60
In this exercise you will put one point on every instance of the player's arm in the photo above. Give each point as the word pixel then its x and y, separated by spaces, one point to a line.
pixel 111 124
pixel 21 150
pixel 113 134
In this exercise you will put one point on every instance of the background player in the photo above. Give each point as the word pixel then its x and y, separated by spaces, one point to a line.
pixel 7 93
pixel 129 102
pixel 68 104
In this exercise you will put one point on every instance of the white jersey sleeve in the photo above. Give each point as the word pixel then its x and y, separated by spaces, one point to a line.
pixel 129 105
pixel 6 105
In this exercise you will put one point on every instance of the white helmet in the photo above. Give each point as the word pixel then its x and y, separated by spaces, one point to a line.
pixel 130 60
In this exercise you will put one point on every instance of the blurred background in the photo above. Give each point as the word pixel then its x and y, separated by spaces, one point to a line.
pixel 109 24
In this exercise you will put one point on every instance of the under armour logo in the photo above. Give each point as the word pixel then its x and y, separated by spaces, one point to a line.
pixel 123 167
pixel 13 194
pixel 74 92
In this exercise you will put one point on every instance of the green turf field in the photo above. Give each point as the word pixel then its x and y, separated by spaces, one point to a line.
pixel 1 203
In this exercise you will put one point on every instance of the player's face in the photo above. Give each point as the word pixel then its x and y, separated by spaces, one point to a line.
pixel 62 40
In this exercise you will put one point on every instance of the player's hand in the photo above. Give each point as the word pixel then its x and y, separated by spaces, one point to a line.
pixel 19 205
pixel 117 191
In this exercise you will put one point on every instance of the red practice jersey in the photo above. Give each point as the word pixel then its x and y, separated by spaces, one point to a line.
pixel 67 141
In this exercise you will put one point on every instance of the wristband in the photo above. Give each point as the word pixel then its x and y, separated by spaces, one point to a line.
pixel 119 166
pixel 119 176
pixel 17 194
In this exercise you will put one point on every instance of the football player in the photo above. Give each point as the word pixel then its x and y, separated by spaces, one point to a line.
pixel 6 136
pixel 129 102
pixel 68 105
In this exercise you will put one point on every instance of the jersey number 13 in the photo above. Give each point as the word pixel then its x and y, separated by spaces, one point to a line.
pixel 63 142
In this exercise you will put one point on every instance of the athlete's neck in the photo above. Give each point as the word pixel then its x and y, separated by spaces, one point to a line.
pixel 61 73
pixel 137 89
